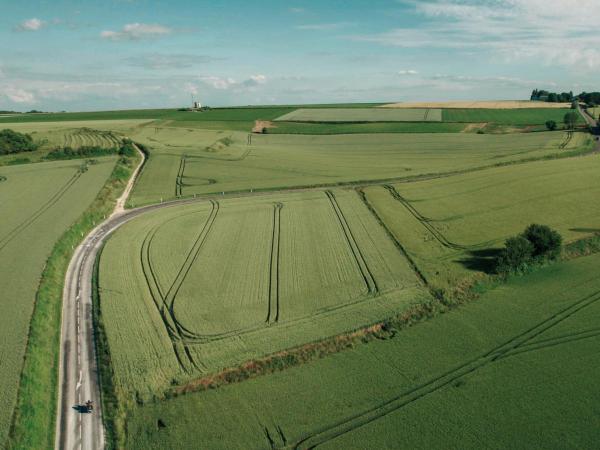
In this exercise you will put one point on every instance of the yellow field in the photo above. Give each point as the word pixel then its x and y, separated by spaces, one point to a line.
pixel 498 104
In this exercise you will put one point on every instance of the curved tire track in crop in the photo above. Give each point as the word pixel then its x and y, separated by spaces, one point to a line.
pixel 164 302
pixel 509 348
pixel 425 221
pixel 7 238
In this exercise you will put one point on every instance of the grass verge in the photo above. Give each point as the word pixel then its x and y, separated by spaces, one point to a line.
pixel 34 418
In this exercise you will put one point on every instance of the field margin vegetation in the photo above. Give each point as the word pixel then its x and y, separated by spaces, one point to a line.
pixel 34 418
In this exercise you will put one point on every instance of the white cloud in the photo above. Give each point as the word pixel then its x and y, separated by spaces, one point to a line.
pixel 136 31
pixel 17 95
pixel 297 10
pixel 256 79
pixel 408 72
pixel 552 32
pixel 228 83
pixel 32 24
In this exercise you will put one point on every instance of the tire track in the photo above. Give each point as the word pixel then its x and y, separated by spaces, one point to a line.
pixel 163 301
pixel 420 275
pixel 425 221
pixel 395 403
pixel 179 178
pixel 273 306
pixel 7 238
pixel 367 275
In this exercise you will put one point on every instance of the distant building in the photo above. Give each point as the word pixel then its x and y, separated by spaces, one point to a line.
pixel 197 105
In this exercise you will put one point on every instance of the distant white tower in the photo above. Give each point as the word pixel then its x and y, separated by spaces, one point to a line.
pixel 197 105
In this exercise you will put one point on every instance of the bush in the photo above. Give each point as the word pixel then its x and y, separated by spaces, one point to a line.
pixel 546 241
pixel 14 142
pixel 551 125
pixel 516 254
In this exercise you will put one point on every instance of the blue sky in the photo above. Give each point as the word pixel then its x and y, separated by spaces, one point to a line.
pixel 90 55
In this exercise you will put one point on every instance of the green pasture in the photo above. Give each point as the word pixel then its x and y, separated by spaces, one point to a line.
pixel 362 115
pixel 190 290
pixel 195 161
pixel 522 116
pixel 38 203
pixel 515 369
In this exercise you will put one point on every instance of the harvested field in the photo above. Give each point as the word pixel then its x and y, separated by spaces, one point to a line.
pixel 500 104
pixel 485 374
pixel 214 284
pixel 341 115
pixel 38 202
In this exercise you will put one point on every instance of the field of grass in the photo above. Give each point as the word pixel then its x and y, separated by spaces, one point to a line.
pixel 342 115
pixel 524 116
pixel 191 290
pixel 453 225
pixel 515 369
pixel 361 128
pixel 38 202
pixel 216 114
pixel 202 161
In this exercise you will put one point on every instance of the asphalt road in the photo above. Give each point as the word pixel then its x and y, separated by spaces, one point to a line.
pixel 78 371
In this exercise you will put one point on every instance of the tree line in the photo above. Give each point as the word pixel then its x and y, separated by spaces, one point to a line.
pixel 590 98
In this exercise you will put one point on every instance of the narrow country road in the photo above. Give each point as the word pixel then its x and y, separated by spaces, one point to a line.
pixel 78 372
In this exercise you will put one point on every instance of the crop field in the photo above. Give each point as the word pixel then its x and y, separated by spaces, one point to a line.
pixel 216 114
pixel 516 369
pixel 361 128
pixel 523 116
pixel 190 290
pixel 195 161
pixel 500 104
pixel 362 115
pixel 453 225
pixel 38 203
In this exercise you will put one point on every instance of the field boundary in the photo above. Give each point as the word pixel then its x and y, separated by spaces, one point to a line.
pixel 585 150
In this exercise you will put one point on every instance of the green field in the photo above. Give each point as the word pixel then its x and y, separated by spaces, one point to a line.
pixel 452 225
pixel 51 135
pixel 274 272
pixel 361 128
pixel 194 161
pixel 516 369
pixel 523 116
pixel 362 115
pixel 215 114
pixel 38 202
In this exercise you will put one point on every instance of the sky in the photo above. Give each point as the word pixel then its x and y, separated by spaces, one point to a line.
pixel 119 54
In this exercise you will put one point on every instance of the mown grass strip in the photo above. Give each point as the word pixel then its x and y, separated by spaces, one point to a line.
pixel 34 418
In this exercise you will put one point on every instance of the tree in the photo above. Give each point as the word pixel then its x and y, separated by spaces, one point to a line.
pixel 553 98
pixel 570 119
pixel 516 254
pixel 551 125
pixel 546 242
